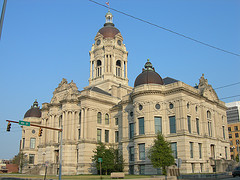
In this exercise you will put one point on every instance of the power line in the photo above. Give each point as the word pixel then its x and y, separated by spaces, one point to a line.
pixel 166 29
pixel 227 85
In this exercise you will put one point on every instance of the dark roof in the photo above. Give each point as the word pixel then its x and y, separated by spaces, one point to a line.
pixel 148 76
pixel 109 31
pixel 168 80
pixel 96 89
pixel 34 111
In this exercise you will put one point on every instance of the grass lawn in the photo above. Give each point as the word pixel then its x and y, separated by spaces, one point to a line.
pixel 88 177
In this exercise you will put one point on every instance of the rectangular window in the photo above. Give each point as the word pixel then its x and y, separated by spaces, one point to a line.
pixel 231 143
pixel 32 143
pixel 191 149
pixel 212 148
pixel 141 125
pixel 225 152
pixel 229 129
pixel 116 121
pixel 200 150
pixel 223 129
pixel 106 136
pixel 99 135
pixel 116 136
pixel 158 124
pixel 189 124
pixel 174 149
pixel 79 133
pixel 230 136
pixel 201 167
pixel 236 135
pixel 141 151
pixel 209 128
pixel 31 158
pixel 131 130
pixel 131 169
pixel 142 169
pixel 236 128
pixel 23 143
pixel 172 123
pixel 192 164
pixel 131 153
pixel 197 126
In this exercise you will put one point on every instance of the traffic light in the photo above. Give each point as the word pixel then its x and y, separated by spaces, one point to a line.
pixel 8 126
pixel 40 132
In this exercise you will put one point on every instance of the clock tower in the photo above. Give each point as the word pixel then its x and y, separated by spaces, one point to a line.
pixel 108 58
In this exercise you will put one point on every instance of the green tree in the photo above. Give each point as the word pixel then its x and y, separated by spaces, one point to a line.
pixel 160 153
pixel 20 159
pixel 111 159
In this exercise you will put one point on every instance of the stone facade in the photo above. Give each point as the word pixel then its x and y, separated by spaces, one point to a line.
pixel 192 119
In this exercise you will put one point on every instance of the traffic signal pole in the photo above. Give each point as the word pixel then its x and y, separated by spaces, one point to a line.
pixel 46 127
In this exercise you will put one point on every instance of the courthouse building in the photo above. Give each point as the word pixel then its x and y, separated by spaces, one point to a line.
pixel 192 119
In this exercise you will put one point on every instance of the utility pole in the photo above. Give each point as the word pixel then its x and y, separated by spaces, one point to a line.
pixel 2 16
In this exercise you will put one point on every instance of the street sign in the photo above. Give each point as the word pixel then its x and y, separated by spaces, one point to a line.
pixel 99 159
pixel 24 123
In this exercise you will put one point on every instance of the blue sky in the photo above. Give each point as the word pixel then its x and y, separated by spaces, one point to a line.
pixel 44 41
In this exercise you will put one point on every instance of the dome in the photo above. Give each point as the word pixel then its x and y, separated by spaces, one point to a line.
pixel 34 111
pixel 148 76
pixel 109 31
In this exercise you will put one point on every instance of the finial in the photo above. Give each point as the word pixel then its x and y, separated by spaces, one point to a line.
pixel 148 60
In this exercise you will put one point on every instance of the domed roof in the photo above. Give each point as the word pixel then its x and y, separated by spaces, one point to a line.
pixel 109 31
pixel 148 76
pixel 34 111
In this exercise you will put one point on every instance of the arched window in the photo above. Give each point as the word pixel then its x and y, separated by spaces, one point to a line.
pixel 118 68
pixel 208 114
pixel 80 116
pixel 106 119
pixel 60 121
pixel 99 117
pixel 99 68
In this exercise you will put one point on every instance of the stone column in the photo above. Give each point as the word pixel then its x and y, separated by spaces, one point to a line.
pixel 81 126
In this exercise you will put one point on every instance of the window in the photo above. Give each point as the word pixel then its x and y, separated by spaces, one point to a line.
pixel 209 128
pixel 225 152
pixel 236 128
pixel 31 158
pixel 200 150
pixel 212 148
pixel 131 129
pixel 79 133
pixel 32 143
pixel 106 119
pixel 230 136
pixel 23 143
pixel 99 135
pixel 118 68
pixel 201 167
pixel 192 164
pixel 236 135
pixel 106 136
pixel 223 129
pixel 116 136
pixel 189 123
pixel 158 124
pixel 131 169
pixel 208 115
pixel 131 153
pixel 141 151
pixel 174 149
pixel 231 143
pixel 172 122
pixel 197 126
pixel 171 105
pixel 99 68
pixel 191 149
pixel 116 121
pixel 80 116
pixel 99 117
pixel 141 125
pixel 142 169
pixel 229 129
